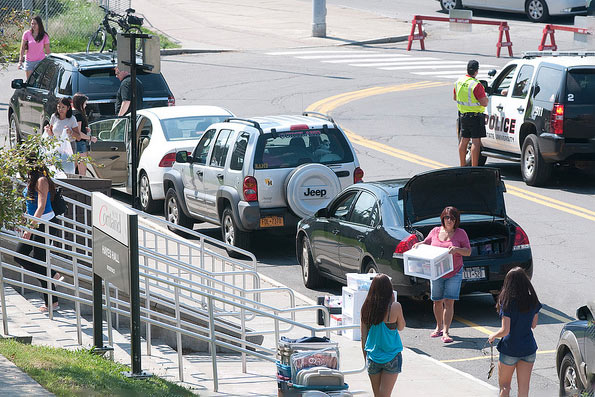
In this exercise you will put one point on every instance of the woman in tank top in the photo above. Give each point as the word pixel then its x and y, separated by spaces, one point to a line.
pixel 381 320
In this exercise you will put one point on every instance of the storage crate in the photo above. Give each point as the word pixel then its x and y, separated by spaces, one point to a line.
pixel 283 370
pixel 353 301
pixel 352 333
pixel 360 282
pixel 337 321
pixel 428 262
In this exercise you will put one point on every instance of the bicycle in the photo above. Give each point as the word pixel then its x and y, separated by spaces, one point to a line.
pixel 128 24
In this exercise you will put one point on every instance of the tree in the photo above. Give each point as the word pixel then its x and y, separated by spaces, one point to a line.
pixel 12 24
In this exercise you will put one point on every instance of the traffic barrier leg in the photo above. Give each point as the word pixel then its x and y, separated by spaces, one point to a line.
pixel 419 36
pixel 548 31
pixel 503 28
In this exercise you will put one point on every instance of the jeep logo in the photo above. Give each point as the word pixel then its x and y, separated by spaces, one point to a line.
pixel 315 192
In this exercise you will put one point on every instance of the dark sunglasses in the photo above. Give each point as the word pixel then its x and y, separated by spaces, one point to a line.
pixel 450 218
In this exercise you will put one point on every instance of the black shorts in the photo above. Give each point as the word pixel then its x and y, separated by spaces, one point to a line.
pixel 472 126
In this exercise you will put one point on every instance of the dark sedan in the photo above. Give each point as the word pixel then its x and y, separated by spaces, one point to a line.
pixel 368 226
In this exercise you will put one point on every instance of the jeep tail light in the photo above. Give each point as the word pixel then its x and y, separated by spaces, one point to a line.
pixel 405 245
pixel 297 127
pixel 171 101
pixel 521 241
pixel 250 189
pixel 358 175
pixel 168 160
pixel 557 124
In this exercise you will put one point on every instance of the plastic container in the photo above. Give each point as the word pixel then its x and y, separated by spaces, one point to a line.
pixel 283 370
pixel 359 282
pixel 428 262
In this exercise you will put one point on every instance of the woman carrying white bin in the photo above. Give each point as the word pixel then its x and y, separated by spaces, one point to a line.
pixel 445 290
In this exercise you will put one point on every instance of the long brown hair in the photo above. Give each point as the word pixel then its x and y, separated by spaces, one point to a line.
pixel 517 288
pixel 35 173
pixel 378 301
pixel 78 100
pixel 40 29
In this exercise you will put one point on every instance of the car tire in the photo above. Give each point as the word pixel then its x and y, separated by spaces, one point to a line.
pixel 14 135
pixel 232 235
pixel 147 203
pixel 370 267
pixel 310 273
pixel 534 169
pixel 570 381
pixel 537 10
pixel 482 159
pixel 448 5
pixel 173 213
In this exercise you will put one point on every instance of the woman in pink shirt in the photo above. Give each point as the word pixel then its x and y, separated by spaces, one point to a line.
pixel 445 290
pixel 36 43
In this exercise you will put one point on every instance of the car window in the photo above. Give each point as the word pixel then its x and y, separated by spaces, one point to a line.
pixel 502 84
pixel 181 128
pixel 364 211
pixel 340 209
pixel 35 78
pixel 65 82
pixel 547 84
pixel 580 87
pixel 49 77
pixel 292 148
pixel 523 82
pixel 98 81
pixel 147 127
pixel 221 148
pixel 202 149
pixel 154 85
pixel 110 130
pixel 239 151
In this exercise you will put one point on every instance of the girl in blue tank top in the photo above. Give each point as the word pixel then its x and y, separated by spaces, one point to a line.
pixel 381 320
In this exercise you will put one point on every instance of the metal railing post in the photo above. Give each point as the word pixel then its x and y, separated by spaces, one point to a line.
pixel 77 305
pixel 3 298
pixel 179 335
pixel 213 344
pixel 148 304
pixel 243 332
pixel 110 336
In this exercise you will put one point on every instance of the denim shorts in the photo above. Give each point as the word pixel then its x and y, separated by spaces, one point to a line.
pixel 447 288
pixel 30 65
pixel 509 360
pixel 82 146
pixel 393 366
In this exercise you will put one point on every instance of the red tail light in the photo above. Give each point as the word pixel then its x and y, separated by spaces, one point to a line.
pixel 171 101
pixel 168 160
pixel 405 245
pixel 521 240
pixel 358 175
pixel 558 119
pixel 250 189
pixel 298 127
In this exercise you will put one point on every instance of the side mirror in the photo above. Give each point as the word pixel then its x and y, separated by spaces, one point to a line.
pixel 492 73
pixel 182 157
pixel 17 83
pixel 322 213
pixel 485 84
pixel 583 313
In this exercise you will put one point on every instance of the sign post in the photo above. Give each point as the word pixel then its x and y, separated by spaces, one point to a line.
pixel 115 260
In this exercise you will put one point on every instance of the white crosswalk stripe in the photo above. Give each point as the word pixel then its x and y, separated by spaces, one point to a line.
pixel 430 66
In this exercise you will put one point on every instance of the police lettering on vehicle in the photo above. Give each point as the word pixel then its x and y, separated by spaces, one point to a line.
pixel 503 124
pixel 315 192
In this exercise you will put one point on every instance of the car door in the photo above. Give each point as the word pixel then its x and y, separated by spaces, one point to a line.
pixel 498 129
pixel 214 173
pixel 193 174
pixel 42 94
pixel 356 231
pixel 326 243
pixel 110 153
pixel 28 122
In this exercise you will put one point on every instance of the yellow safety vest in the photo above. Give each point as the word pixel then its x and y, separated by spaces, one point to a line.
pixel 466 101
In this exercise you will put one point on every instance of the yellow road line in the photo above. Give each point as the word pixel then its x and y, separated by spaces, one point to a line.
pixel 458 360
pixel 473 325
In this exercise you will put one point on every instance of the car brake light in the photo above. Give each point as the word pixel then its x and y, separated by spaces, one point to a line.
pixel 168 160
pixel 405 245
pixel 250 189
pixel 171 101
pixel 557 123
pixel 358 175
pixel 299 127
pixel 521 240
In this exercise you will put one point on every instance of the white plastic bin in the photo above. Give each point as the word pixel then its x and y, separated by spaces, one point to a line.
pixel 360 282
pixel 428 262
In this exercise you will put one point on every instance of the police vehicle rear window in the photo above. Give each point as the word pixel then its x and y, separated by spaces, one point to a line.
pixel 580 87
pixel 292 148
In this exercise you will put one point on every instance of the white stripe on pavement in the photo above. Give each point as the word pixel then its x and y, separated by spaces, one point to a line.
pixel 375 58
pixel 437 66
pixel 450 64
pixel 319 52
pixel 357 56
pixel 444 72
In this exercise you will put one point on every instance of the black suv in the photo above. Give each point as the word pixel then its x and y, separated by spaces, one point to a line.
pixel 61 75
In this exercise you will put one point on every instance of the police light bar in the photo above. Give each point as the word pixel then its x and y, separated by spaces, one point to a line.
pixel 534 54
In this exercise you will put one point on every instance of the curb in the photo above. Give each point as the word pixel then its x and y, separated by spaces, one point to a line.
pixel 382 40
pixel 180 51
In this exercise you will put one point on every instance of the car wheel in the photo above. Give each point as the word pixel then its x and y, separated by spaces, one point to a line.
pixel 232 235
pixel 570 381
pixel 310 273
pixel 175 214
pixel 533 167
pixel 14 136
pixel 370 267
pixel 448 5
pixel 147 203
pixel 537 10
pixel 482 159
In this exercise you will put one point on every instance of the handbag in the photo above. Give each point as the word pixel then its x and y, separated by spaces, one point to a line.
pixel 58 203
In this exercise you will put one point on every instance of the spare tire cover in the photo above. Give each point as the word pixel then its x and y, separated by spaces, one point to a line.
pixel 311 187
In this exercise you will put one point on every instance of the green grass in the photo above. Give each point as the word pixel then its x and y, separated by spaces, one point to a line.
pixel 76 373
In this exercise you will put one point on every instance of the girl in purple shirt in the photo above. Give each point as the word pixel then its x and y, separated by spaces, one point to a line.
pixel 445 290
pixel 36 43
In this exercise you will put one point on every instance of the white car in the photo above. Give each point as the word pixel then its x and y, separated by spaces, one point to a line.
pixel 162 132
pixel 536 10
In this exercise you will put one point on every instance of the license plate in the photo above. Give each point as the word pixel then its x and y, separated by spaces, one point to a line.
pixel 271 221
pixel 474 273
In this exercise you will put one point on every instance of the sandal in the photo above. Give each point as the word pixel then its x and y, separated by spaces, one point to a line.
pixel 436 334
pixel 58 277
pixel 45 309
pixel 447 339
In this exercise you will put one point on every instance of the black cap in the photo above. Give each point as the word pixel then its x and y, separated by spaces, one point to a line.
pixel 472 66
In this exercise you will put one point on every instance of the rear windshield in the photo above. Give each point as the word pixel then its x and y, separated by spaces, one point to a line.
pixel 580 87
pixel 292 148
pixel 182 128
pixel 103 81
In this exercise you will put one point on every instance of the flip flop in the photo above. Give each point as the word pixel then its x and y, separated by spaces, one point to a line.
pixel 446 339
pixel 45 309
pixel 436 334
pixel 58 277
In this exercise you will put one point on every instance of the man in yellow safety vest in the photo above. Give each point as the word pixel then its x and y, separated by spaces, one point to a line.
pixel 471 101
